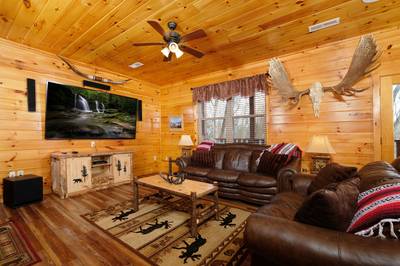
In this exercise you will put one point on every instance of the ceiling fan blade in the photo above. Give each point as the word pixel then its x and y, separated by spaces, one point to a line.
pixel 197 34
pixel 167 59
pixel 148 43
pixel 156 25
pixel 191 51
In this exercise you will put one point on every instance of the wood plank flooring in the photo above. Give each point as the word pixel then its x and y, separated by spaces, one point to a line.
pixel 61 236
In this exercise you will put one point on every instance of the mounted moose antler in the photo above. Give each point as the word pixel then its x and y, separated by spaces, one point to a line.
pixel 93 77
pixel 364 61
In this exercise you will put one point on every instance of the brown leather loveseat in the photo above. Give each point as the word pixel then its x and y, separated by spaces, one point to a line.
pixel 235 170
pixel 274 238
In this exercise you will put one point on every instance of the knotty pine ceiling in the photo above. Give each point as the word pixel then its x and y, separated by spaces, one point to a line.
pixel 101 32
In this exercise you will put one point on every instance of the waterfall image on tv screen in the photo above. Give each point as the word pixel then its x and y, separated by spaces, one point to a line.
pixel 77 113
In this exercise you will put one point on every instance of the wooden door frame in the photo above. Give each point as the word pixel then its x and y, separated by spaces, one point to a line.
pixel 383 113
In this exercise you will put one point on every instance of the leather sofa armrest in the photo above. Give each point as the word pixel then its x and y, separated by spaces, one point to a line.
pixel 299 183
pixel 284 174
pixel 182 162
pixel 285 242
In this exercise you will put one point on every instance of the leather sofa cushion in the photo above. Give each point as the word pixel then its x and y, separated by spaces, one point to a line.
pixel 229 190
pixel 228 185
pixel 247 194
pixel 283 205
pixel 229 195
pixel 255 180
pixel 331 173
pixel 199 171
pixel 198 178
pixel 332 207
pixel 226 176
pixel 237 160
pixel 376 174
pixel 261 190
pixel 219 155
pixel 203 158
pixel 255 156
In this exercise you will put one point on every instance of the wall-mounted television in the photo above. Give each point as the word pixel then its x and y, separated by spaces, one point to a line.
pixel 78 113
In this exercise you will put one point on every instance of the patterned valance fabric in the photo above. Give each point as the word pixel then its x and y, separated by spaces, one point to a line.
pixel 225 90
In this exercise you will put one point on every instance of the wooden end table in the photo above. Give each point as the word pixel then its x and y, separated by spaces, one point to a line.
pixel 190 189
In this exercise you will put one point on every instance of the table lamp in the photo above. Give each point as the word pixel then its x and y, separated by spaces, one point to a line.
pixel 186 143
pixel 321 149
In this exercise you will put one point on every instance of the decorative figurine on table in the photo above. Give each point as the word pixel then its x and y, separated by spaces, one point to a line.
pixel 176 180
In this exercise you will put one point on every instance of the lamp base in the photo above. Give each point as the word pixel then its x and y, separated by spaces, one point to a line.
pixel 186 151
pixel 319 162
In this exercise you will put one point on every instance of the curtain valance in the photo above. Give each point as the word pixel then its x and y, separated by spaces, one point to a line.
pixel 227 89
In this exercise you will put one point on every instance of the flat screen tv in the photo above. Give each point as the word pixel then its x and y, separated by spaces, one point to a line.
pixel 77 113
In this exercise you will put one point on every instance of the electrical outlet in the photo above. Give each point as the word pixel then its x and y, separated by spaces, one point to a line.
pixel 20 172
pixel 155 158
pixel 93 144
pixel 11 174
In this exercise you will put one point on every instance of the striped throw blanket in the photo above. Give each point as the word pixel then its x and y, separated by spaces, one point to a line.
pixel 288 149
pixel 377 208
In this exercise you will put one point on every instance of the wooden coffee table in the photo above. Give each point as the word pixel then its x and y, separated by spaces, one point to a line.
pixel 192 190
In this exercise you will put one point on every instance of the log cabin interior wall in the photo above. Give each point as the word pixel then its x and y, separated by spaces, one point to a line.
pixel 352 126
pixel 22 143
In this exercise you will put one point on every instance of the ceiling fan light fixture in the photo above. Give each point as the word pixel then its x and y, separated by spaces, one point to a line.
pixel 178 53
pixel 174 48
pixel 165 51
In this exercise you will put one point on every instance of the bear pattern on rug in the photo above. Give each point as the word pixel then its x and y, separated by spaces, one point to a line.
pixel 161 233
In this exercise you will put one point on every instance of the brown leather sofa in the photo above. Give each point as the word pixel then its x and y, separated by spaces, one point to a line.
pixel 235 170
pixel 274 238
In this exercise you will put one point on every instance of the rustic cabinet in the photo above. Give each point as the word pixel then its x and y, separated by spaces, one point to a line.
pixel 121 167
pixel 77 173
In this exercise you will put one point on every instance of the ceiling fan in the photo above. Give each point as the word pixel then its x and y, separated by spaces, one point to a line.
pixel 173 41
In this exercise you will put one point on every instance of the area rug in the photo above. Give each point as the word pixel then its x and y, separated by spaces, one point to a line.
pixel 15 250
pixel 161 233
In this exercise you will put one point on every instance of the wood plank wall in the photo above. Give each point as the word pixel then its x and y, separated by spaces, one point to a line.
pixel 22 143
pixel 352 126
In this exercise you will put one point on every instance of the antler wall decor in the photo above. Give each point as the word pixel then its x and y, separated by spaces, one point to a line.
pixel 364 61
pixel 93 77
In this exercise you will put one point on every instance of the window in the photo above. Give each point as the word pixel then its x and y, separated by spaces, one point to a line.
pixel 237 120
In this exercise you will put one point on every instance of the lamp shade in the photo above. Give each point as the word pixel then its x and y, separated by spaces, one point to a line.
pixel 185 140
pixel 320 144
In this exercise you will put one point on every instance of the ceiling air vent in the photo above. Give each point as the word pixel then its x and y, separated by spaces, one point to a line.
pixel 323 25
pixel 136 65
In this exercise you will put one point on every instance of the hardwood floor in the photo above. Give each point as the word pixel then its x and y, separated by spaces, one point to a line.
pixel 61 236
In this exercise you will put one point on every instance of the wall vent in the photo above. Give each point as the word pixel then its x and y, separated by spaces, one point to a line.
pixel 323 25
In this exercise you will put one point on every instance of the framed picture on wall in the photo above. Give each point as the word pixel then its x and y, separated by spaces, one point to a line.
pixel 175 122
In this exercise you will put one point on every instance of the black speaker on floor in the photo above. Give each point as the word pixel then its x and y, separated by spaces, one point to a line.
pixel 31 86
pixel 22 190
pixel 140 110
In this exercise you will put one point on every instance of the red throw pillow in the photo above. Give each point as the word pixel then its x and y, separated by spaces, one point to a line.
pixel 205 145
pixel 203 158
pixel 374 205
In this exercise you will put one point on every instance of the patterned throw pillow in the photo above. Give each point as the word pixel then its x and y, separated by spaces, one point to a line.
pixel 203 158
pixel 331 207
pixel 375 208
pixel 270 163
